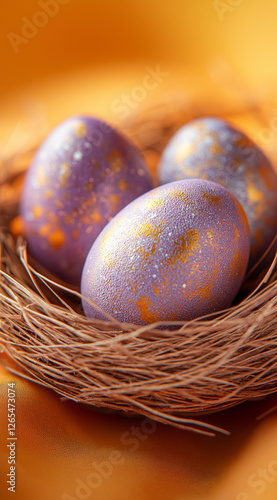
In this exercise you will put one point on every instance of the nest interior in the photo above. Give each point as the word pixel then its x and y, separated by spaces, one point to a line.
pixel 166 371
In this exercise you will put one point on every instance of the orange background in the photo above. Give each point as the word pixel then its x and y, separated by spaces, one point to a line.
pixel 92 51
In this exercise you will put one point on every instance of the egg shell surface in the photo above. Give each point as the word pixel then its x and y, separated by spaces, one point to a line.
pixel 211 148
pixel 81 176
pixel 175 253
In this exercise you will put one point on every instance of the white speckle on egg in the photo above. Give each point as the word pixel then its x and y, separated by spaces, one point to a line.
pixel 78 155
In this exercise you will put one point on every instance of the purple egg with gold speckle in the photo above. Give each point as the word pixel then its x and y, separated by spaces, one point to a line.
pixel 81 176
pixel 178 252
pixel 210 148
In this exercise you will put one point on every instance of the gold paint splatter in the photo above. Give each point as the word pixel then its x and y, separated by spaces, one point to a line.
pixel 37 211
pixel 212 198
pixel 96 217
pixel 215 148
pixel 44 230
pixel 41 176
pixel 236 163
pixel 146 316
pixel 114 201
pixel 80 130
pixel 181 196
pixel 56 239
pixel 145 229
pixel 58 203
pixel 75 234
pixel 68 219
pixel 109 261
pixel 205 291
pixel 183 151
pixel 115 160
pixel 64 174
pixel 267 175
pixel 256 197
pixel 153 203
pixel 48 193
pixel 122 185
pixel 184 247
pixel 244 142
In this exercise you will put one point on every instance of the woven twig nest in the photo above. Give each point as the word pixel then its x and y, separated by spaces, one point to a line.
pixel 162 372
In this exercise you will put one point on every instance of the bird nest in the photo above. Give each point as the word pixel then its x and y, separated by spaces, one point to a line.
pixel 169 371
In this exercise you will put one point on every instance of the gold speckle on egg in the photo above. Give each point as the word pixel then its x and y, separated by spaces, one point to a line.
pixel 114 201
pixel 256 196
pixel 56 238
pixel 122 185
pixel 216 148
pixel 41 176
pixel 75 234
pixel 88 186
pixel 48 193
pixel 68 219
pixel 44 230
pixel 184 247
pixel 266 175
pixel 143 304
pixel 244 142
pixel 181 196
pixel 144 229
pixel 80 130
pixel 153 203
pixel 109 261
pixel 235 163
pixel 58 203
pixel 96 217
pixel 115 160
pixel 37 211
pixel 183 151
pixel 64 174
pixel 213 199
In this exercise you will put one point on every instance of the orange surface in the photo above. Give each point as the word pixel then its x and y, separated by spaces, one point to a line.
pixel 66 451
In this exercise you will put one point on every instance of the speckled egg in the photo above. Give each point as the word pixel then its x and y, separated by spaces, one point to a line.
pixel 81 176
pixel 176 253
pixel 210 148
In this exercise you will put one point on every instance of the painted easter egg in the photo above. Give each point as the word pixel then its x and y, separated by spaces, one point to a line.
pixel 81 176
pixel 178 252
pixel 210 148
